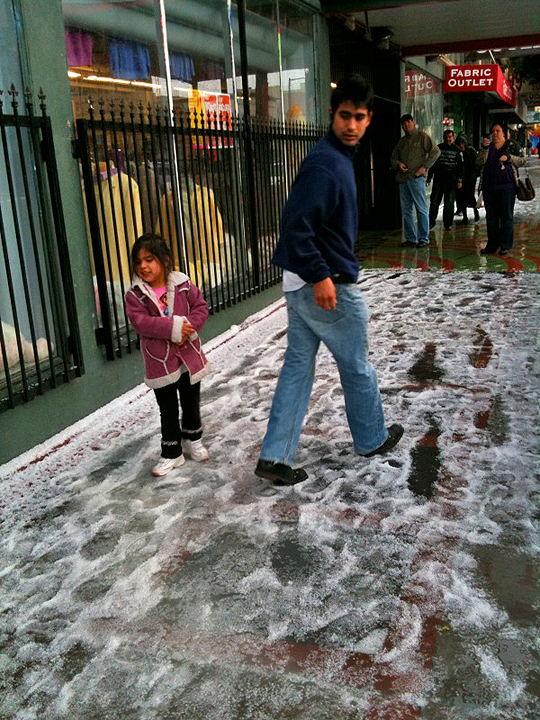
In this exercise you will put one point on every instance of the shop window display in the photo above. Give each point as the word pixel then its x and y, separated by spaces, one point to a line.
pixel 423 99
pixel 178 192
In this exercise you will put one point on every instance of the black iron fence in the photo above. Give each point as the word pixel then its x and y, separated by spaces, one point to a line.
pixel 39 337
pixel 213 186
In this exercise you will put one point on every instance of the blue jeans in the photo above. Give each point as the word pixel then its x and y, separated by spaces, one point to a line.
pixel 344 332
pixel 412 196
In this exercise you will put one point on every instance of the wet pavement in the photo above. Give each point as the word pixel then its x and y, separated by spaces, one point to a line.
pixel 459 248
pixel 404 586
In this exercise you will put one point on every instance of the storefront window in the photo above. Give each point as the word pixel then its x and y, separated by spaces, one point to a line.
pixel 280 59
pixel 112 54
pixel 115 51
pixel 423 99
pixel 298 76
pixel 24 324
pixel 191 57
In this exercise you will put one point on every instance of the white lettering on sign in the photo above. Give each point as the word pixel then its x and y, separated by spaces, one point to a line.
pixel 465 72
pixel 468 82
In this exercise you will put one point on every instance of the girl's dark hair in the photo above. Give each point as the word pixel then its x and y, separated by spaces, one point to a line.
pixel 155 245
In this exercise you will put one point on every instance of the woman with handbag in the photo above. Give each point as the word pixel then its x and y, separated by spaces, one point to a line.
pixel 498 190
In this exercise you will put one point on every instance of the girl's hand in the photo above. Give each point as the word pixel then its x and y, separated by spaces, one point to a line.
pixel 187 330
pixel 503 158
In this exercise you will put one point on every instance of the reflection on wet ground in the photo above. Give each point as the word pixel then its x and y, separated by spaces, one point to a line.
pixel 459 248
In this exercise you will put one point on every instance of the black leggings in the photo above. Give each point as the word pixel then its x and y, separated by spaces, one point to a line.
pixel 167 399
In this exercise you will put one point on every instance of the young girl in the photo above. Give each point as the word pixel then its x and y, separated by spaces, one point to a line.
pixel 167 311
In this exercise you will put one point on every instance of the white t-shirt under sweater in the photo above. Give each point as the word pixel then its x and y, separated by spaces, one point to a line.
pixel 292 281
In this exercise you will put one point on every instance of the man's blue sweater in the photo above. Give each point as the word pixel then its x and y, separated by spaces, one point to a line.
pixel 320 218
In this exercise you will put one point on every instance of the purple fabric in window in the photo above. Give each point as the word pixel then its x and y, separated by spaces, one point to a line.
pixel 79 46
pixel 182 67
pixel 129 60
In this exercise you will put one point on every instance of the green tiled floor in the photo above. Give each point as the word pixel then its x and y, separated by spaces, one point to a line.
pixel 459 248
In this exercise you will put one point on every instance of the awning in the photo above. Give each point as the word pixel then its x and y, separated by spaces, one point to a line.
pixel 511 116
pixel 480 78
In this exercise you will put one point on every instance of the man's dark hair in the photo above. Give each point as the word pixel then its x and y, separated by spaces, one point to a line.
pixel 156 246
pixel 353 88
pixel 406 118
pixel 446 133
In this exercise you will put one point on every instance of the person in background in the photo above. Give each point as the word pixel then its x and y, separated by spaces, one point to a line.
pixel 498 189
pixel 324 301
pixel 167 311
pixel 412 157
pixel 446 174
pixel 465 196
pixel 512 145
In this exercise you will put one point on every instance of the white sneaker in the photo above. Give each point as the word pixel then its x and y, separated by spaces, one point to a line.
pixel 165 465
pixel 195 449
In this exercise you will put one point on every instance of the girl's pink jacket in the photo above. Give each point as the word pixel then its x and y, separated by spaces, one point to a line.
pixel 165 360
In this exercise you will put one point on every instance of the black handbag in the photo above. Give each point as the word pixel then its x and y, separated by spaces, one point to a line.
pixel 524 188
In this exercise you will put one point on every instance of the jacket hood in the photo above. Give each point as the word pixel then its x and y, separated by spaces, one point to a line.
pixel 174 278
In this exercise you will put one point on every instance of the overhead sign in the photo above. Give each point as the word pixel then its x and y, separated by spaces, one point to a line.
pixel 480 78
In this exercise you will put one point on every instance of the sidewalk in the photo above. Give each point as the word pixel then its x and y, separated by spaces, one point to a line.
pixel 403 586
pixel 459 249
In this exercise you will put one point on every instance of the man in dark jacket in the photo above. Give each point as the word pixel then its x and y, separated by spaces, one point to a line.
pixel 446 174
pixel 324 303
pixel 465 196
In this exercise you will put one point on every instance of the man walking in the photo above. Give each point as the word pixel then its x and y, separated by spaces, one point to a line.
pixel 324 303
pixel 447 177
pixel 412 157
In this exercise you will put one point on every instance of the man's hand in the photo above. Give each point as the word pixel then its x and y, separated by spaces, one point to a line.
pixel 187 330
pixel 421 171
pixel 402 167
pixel 325 294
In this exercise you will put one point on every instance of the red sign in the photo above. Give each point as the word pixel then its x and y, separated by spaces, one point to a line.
pixel 479 78
pixel 417 83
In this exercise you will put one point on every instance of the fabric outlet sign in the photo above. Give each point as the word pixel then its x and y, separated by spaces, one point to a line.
pixel 480 78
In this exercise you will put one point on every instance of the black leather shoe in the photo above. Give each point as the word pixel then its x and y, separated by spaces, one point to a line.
pixel 279 473
pixel 395 433
pixel 503 252
pixel 488 251
pixel 408 243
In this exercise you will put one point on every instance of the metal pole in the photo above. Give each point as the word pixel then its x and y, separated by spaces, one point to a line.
pixel 249 149
pixel 163 51
pixel 280 59
pixel 233 63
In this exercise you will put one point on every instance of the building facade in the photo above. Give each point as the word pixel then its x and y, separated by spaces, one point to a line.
pixel 67 62
pixel 188 118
